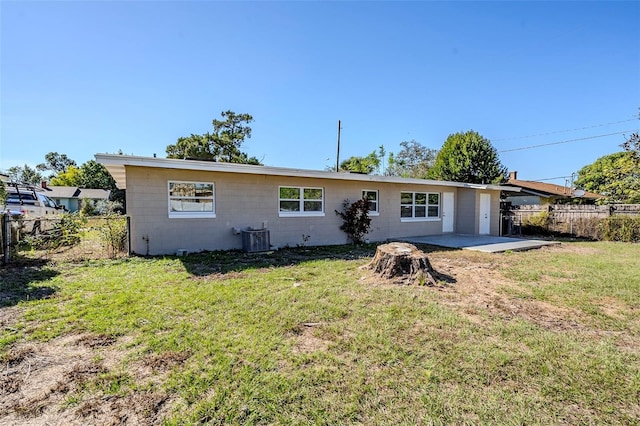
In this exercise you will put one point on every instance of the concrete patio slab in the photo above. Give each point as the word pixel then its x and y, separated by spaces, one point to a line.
pixel 484 243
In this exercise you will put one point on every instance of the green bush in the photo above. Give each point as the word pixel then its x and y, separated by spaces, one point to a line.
pixel 113 234
pixel 106 207
pixel 88 208
pixel 65 232
pixel 536 224
pixel 356 219
pixel 620 228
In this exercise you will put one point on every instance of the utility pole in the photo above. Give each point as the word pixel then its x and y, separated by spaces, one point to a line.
pixel 338 155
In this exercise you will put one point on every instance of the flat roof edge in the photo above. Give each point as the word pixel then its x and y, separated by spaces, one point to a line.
pixel 115 163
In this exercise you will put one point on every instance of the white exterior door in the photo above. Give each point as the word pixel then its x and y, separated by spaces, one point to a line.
pixel 447 212
pixel 485 214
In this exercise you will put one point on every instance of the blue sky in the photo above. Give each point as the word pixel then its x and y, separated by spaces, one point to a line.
pixel 86 77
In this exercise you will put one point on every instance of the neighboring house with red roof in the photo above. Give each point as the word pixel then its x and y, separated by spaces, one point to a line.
pixel 72 197
pixel 533 192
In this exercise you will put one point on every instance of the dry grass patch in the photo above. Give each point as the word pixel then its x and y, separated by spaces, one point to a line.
pixel 67 381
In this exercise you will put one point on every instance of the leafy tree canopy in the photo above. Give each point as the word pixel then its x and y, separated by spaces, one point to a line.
pixel 72 176
pixel 468 157
pixel 89 175
pixel 615 176
pixel 367 165
pixel 95 175
pixel 57 163
pixel 412 161
pixel 223 144
pixel 25 174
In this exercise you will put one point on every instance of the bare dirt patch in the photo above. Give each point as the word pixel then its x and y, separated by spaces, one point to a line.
pixel 47 383
pixel 305 340
pixel 471 283
pixel 165 361
pixel 480 286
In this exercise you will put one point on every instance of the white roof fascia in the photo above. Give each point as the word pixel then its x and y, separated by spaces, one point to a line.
pixel 115 164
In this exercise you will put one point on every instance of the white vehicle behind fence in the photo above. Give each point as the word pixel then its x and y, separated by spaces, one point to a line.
pixel 27 204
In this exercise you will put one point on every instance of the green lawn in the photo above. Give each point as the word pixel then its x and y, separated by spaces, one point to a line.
pixel 304 336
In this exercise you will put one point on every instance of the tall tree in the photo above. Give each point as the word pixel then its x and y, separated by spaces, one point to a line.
pixel 615 176
pixel 381 154
pixel 367 165
pixel 70 177
pixel 89 175
pixel 632 145
pixel 95 175
pixel 231 133
pixel 193 146
pixel 25 174
pixel 468 157
pixel 413 161
pixel 222 145
pixel 57 163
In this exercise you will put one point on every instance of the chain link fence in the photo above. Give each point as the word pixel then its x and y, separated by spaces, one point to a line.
pixel 69 237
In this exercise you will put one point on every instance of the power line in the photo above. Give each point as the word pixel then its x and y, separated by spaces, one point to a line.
pixel 565 131
pixel 553 178
pixel 566 141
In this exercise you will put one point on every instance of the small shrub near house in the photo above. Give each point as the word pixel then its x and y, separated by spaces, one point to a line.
pixel 356 219
pixel 113 234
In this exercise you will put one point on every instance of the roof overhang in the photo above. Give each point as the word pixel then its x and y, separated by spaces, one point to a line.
pixel 116 164
pixel 526 191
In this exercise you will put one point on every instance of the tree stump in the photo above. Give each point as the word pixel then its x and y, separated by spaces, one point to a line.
pixel 404 262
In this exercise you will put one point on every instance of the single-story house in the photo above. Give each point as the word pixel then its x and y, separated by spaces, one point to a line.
pixel 533 192
pixel 189 205
pixel 71 197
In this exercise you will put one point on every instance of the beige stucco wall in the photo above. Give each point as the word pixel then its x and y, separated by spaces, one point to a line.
pixel 244 200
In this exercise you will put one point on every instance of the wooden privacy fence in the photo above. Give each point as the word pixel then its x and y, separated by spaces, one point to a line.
pixel 576 220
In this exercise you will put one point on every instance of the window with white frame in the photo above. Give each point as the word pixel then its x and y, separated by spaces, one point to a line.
pixel 372 196
pixel 191 199
pixel 301 201
pixel 419 205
